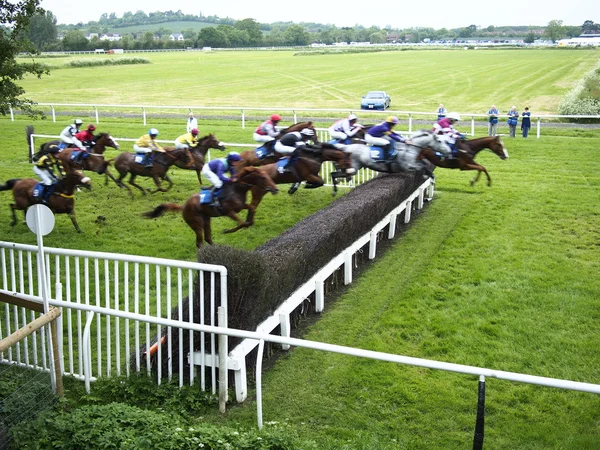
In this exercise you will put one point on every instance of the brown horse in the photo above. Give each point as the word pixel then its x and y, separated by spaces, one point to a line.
pixel 233 200
pixel 250 158
pixel 197 155
pixel 61 201
pixel 466 160
pixel 125 164
pixel 306 168
pixel 95 162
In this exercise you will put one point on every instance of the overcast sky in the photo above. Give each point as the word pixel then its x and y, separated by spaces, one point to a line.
pixel 433 13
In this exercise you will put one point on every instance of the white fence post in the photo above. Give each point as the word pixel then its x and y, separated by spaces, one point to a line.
pixel 538 127
pixel 222 320
pixel 243 119
pixel 409 123
pixel 472 125
pixel 53 114
pixel 97 116
pixel 144 115
pixel 12 116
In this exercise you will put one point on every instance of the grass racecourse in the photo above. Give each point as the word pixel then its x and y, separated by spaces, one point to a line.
pixel 504 277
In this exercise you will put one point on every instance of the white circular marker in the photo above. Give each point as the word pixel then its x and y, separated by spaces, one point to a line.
pixel 45 216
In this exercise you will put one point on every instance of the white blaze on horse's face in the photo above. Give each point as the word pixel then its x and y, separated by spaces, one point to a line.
pixel 86 180
pixel 504 149
pixel 116 144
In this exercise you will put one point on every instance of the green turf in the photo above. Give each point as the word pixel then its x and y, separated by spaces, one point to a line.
pixel 465 81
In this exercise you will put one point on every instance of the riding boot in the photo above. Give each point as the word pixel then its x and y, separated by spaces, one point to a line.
pixel 148 162
pixel 214 192
pixel 45 194
pixel 386 151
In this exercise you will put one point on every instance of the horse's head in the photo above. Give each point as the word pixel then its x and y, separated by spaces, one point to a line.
pixel 341 157
pixel 497 146
pixel 106 140
pixel 254 176
pixel 76 178
pixel 211 141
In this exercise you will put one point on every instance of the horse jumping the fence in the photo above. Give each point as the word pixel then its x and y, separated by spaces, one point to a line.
pixel 198 154
pixel 233 199
pixel 125 164
pixel 60 201
pixel 307 167
pixel 251 158
pixel 466 160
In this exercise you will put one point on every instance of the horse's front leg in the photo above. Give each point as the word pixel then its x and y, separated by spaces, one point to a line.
pixel 240 223
pixel 74 221
pixel 479 169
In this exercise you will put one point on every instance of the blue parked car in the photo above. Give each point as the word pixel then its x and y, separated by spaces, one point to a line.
pixel 375 100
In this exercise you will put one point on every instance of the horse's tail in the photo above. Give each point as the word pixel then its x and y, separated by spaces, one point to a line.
pixel 161 209
pixel 9 184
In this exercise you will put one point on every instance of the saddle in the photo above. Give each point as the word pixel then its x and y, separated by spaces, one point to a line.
pixel 378 154
pixel 266 150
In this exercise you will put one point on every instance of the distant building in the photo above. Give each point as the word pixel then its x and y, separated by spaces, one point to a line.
pixel 176 37
pixel 585 40
pixel 110 37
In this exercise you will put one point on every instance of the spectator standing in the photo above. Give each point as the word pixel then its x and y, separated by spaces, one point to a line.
pixel 441 112
pixel 493 119
pixel 513 119
pixel 191 123
pixel 526 122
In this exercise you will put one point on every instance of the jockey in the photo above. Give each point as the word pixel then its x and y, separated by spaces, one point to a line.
pixel 44 168
pixel 383 135
pixel 447 134
pixel 67 136
pixel 188 140
pixel 215 170
pixel 291 142
pixel 146 145
pixel 86 137
pixel 344 128
pixel 266 131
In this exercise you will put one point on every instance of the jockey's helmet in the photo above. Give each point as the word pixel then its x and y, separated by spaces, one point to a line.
pixel 392 119
pixel 453 116
pixel 275 118
pixel 352 117
pixel 91 127
pixel 194 131
pixel 234 156
pixel 153 132
pixel 307 132
pixel 78 122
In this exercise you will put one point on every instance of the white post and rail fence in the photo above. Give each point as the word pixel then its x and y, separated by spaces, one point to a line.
pixel 240 113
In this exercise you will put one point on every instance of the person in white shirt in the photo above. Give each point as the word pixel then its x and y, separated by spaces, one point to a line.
pixel 191 123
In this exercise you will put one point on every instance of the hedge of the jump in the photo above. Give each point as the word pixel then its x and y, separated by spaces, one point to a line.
pixel 260 280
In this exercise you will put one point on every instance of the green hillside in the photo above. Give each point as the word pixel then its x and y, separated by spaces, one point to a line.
pixel 175 27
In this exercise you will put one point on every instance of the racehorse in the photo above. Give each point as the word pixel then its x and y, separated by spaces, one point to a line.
pixel 94 162
pixel 405 159
pixel 466 160
pixel 197 155
pixel 233 200
pixel 125 164
pixel 250 157
pixel 60 201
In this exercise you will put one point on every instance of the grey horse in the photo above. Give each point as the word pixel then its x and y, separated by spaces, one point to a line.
pixel 406 156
